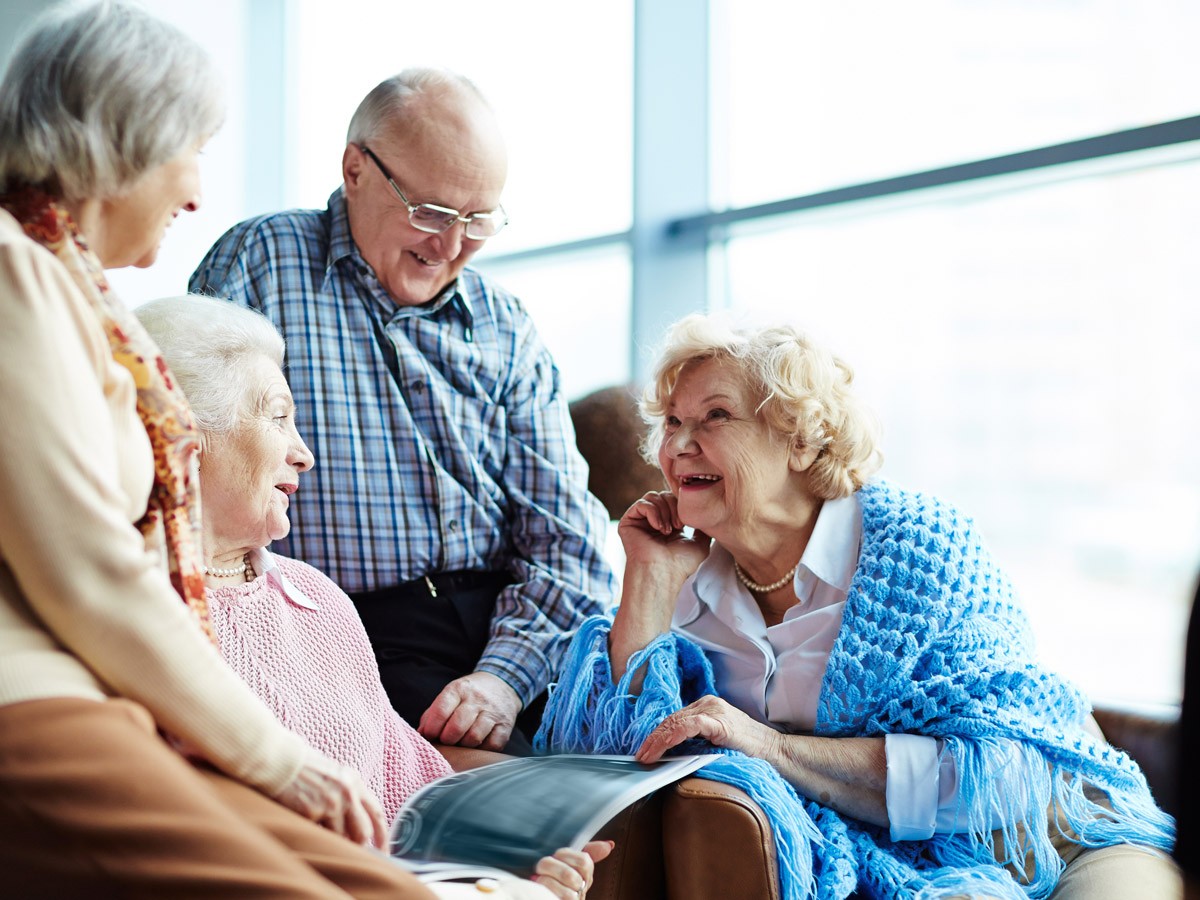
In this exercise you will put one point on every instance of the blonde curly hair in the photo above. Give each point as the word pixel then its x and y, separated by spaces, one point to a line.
pixel 804 395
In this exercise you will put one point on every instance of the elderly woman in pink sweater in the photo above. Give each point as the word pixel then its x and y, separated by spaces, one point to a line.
pixel 286 628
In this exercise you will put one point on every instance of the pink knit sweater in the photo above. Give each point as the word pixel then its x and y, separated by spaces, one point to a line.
pixel 316 670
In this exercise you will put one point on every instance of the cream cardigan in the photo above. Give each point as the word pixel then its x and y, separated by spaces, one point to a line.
pixel 86 607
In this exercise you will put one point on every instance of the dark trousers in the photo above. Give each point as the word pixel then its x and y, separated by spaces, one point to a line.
pixel 423 641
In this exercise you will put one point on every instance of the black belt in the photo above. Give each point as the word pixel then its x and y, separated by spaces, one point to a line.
pixel 439 583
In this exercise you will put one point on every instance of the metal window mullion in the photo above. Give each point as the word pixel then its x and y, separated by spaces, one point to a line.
pixel 670 167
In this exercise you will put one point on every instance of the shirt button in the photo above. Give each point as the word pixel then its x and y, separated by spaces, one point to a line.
pixel 418 386
pixel 452 524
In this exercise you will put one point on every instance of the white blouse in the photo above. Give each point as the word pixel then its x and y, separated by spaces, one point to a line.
pixel 774 673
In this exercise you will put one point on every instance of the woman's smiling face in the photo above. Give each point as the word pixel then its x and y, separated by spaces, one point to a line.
pixel 136 221
pixel 722 461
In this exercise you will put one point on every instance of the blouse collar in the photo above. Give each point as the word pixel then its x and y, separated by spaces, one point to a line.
pixel 831 556
pixel 264 563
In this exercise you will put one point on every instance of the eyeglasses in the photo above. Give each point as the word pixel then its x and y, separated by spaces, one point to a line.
pixel 433 219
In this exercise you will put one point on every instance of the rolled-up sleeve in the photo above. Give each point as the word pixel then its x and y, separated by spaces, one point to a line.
pixel 913 776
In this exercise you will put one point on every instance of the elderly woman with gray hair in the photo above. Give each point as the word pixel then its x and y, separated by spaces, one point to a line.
pixel 849 646
pixel 133 761
pixel 286 628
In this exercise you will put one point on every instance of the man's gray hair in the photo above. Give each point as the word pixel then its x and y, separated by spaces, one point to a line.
pixel 388 104
pixel 209 345
pixel 97 94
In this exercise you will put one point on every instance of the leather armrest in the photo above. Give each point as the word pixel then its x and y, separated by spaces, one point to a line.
pixel 634 870
pixel 717 843
pixel 463 758
pixel 1151 737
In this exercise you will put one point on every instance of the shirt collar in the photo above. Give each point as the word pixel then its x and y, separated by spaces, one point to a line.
pixel 831 556
pixel 713 585
pixel 341 244
pixel 263 561
pixel 832 551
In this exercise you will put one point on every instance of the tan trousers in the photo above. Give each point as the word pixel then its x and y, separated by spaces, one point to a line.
pixel 93 803
pixel 1123 872
pixel 1119 873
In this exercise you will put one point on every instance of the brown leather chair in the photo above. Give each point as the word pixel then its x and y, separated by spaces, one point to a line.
pixel 699 839
pixel 608 431
pixel 1151 737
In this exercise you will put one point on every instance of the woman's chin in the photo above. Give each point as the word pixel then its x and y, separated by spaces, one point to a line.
pixel 280 531
pixel 694 514
pixel 147 259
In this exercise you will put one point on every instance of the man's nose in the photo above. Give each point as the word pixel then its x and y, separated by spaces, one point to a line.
pixel 449 242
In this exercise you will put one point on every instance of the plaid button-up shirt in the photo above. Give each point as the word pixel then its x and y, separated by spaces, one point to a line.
pixel 441 435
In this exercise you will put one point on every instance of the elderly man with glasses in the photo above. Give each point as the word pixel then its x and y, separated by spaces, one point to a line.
pixel 449 500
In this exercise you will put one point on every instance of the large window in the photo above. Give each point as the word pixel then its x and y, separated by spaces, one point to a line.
pixel 814 95
pixel 1031 355
pixel 580 302
pixel 1027 340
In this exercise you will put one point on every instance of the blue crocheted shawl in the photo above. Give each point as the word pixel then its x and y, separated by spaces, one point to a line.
pixel 932 642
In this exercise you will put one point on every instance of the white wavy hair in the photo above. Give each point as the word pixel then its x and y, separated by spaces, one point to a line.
pixel 208 344
pixel 804 395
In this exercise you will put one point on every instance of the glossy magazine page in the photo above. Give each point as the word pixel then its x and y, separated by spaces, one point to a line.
pixel 508 815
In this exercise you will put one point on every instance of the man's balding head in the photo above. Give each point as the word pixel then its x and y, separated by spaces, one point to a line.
pixel 438 138
pixel 430 106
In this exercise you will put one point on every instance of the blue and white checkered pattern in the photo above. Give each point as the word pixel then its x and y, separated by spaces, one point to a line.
pixel 463 459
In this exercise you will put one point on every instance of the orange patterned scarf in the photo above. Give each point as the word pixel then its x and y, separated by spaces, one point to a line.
pixel 174 503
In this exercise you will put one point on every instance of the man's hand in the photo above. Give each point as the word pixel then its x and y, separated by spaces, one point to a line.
pixel 477 710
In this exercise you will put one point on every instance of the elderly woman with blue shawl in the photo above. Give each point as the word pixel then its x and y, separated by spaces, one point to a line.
pixel 849 647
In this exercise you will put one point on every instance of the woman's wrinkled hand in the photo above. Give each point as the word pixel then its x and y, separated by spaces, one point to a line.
pixel 715 721
pixel 568 873
pixel 333 795
pixel 652 535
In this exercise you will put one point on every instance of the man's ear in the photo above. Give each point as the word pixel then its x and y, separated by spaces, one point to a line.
pixel 353 162
pixel 801 456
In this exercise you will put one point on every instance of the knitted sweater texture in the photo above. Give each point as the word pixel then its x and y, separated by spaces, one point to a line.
pixel 932 642
pixel 316 670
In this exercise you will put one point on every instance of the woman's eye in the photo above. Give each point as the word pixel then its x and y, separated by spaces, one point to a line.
pixel 671 423
pixel 718 414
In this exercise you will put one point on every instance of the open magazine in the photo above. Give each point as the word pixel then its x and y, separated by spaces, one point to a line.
pixel 500 819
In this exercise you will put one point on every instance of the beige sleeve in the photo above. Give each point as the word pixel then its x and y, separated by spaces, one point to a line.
pixel 66 532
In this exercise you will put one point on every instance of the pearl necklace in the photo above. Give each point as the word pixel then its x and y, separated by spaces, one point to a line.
pixel 230 572
pixel 763 588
